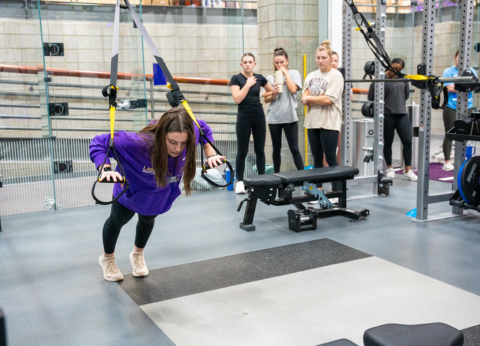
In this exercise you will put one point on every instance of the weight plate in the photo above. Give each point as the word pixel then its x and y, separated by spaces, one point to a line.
pixel 469 181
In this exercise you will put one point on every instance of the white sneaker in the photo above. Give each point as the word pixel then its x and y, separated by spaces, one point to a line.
pixel 410 175
pixel 138 263
pixel 334 200
pixel 313 202
pixel 240 187
pixel 390 173
pixel 440 158
pixel 110 269
pixel 448 166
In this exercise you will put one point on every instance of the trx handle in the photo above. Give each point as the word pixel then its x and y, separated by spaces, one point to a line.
pixel 205 168
pixel 437 89
pixel 105 181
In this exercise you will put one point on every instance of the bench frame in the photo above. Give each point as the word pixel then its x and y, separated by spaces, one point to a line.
pixel 268 196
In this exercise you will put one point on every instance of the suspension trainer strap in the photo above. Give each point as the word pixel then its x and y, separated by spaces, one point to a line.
pixel 174 96
pixel 110 91
pixel 435 87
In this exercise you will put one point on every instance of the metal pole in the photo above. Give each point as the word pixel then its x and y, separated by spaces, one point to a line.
pixel 152 101
pixel 466 33
pixel 424 137
pixel 347 100
pixel 381 17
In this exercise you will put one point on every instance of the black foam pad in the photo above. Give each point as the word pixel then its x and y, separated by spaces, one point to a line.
pixel 341 342
pixel 318 175
pixel 262 180
pixel 432 334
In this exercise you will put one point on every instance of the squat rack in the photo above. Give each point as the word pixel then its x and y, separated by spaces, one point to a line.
pixel 379 186
pixel 428 39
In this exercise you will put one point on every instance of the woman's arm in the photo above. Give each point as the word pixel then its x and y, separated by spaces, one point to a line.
pixel 292 87
pixel 213 160
pixel 240 94
pixel 269 97
pixel 305 96
pixel 319 100
pixel 451 88
pixel 98 150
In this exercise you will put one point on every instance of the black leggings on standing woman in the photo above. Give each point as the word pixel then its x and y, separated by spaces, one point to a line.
pixel 246 125
pixel 119 216
pixel 291 132
pixel 324 142
pixel 401 123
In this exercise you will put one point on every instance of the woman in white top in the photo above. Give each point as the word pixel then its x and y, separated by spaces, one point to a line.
pixel 282 113
pixel 322 94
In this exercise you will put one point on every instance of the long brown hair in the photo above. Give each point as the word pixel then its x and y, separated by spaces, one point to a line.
pixel 175 120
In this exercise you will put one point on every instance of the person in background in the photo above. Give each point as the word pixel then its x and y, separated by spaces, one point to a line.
pixel 396 118
pixel 282 113
pixel 245 88
pixel 450 111
pixel 322 94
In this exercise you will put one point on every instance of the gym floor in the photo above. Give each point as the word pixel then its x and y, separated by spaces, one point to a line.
pixel 212 283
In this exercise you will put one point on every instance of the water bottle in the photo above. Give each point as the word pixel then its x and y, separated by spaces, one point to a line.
pixel 471 150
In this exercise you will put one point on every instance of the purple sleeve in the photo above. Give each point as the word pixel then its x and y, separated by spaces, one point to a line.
pixel 207 130
pixel 98 149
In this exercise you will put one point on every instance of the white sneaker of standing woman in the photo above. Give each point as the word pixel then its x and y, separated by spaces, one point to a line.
pixel 410 175
pixel 240 187
pixel 138 263
pixel 110 269
pixel 390 173
pixel 448 166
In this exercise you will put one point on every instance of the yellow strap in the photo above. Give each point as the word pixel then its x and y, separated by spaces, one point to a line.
pixel 358 29
pixel 112 115
pixel 419 77
pixel 112 120
pixel 189 111
pixel 305 109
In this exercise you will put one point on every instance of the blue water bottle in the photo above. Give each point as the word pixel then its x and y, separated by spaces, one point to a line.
pixel 227 178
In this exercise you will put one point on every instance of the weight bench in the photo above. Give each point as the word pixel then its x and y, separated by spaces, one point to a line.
pixel 431 334
pixel 266 188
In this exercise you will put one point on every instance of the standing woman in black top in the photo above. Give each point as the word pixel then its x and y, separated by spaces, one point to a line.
pixel 396 118
pixel 245 88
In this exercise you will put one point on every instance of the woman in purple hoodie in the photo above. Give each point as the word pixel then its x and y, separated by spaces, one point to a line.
pixel 154 161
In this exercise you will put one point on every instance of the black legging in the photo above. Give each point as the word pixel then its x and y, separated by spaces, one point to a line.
pixel 401 123
pixel 246 125
pixel 449 117
pixel 119 216
pixel 323 142
pixel 291 132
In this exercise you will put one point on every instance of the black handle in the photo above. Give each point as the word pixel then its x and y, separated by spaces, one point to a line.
pixel 213 183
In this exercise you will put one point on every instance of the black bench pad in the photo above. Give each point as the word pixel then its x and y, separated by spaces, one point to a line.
pixel 432 334
pixel 341 342
pixel 318 175
pixel 262 180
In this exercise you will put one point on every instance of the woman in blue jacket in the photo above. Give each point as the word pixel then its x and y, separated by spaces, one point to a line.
pixel 154 161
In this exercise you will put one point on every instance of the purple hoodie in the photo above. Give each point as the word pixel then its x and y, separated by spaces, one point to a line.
pixel 143 196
